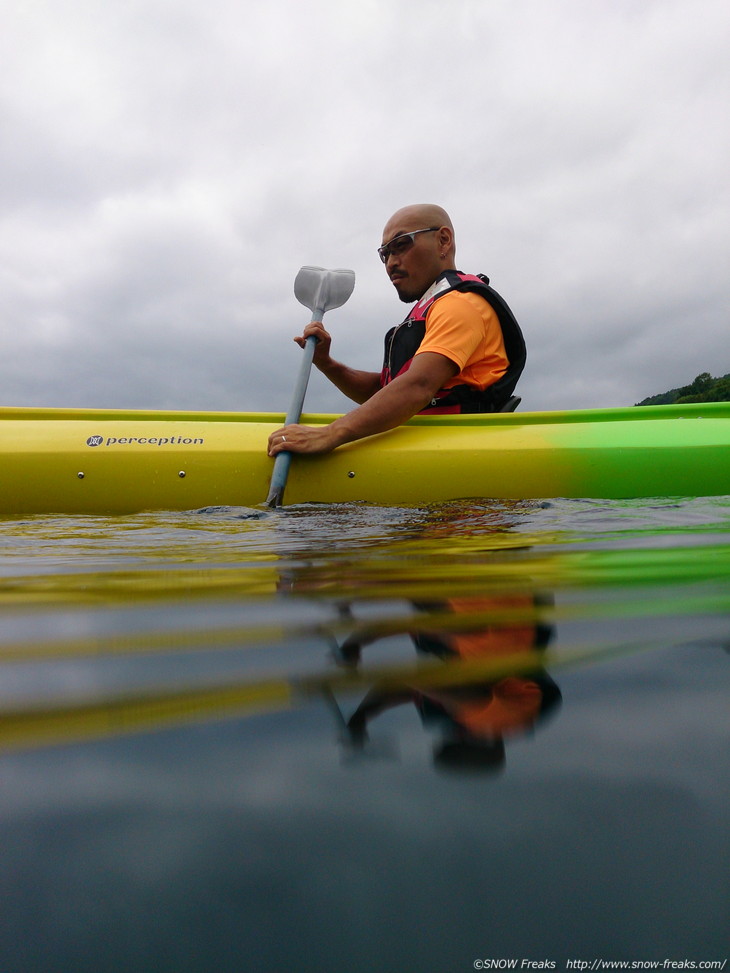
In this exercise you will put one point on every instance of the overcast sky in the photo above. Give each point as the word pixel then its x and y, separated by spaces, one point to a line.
pixel 167 166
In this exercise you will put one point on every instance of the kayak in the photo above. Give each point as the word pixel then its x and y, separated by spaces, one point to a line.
pixel 84 461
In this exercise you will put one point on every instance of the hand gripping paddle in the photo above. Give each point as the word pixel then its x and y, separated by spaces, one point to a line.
pixel 320 290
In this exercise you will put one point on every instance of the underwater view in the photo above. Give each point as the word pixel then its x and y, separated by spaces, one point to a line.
pixel 352 738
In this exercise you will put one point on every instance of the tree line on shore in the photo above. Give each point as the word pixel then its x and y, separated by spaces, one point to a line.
pixel 705 388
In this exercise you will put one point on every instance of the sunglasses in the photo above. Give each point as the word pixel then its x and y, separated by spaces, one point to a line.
pixel 402 243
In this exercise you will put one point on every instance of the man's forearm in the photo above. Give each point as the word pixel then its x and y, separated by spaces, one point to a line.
pixel 385 410
pixel 356 385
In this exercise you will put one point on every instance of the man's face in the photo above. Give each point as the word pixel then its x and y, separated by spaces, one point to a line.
pixel 415 264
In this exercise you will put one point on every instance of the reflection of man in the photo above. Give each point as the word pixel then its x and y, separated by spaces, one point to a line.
pixel 459 350
pixel 473 718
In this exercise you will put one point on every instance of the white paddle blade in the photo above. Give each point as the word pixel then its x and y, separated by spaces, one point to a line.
pixel 321 290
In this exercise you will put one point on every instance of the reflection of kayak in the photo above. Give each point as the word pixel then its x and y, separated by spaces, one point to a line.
pixel 89 461
pixel 146 710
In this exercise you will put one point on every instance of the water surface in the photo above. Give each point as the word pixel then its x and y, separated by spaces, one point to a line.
pixel 357 738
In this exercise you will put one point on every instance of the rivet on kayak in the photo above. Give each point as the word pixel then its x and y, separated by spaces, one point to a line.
pixel 80 475
pixel 181 474
pixel 351 474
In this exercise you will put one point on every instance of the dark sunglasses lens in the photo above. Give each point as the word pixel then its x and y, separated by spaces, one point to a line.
pixel 396 247
pixel 401 244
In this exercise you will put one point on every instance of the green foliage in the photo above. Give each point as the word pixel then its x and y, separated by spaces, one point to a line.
pixel 704 388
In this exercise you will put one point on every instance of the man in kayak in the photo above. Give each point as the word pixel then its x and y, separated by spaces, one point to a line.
pixel 459 350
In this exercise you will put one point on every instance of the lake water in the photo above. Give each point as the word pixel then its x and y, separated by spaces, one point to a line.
pixel 346 738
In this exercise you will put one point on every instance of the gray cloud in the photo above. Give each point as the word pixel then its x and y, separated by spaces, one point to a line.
pixel 166 170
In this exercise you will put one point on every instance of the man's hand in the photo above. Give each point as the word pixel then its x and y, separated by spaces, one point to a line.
pixel 322 348
pixel 303 439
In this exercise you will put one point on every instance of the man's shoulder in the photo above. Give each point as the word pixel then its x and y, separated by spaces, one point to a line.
pixel 462 302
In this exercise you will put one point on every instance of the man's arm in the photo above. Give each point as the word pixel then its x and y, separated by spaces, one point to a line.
pixel 387 408
pixel 356 385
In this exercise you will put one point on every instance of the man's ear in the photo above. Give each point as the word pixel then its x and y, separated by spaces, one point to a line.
pixel 445 238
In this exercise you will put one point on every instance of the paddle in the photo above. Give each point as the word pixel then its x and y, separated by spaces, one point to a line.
pixel 320 290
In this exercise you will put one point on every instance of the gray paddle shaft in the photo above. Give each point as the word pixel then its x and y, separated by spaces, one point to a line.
pixel 320 290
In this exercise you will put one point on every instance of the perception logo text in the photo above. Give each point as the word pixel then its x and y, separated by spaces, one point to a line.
pixel 145 441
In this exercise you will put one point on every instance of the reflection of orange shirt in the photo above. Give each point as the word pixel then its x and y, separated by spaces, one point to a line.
pixel 464 328
pixel 514 702
pixel 515 705
pixel 497 640
pixel 501 638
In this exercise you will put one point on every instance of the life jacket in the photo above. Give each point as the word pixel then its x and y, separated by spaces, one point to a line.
pixel 402 342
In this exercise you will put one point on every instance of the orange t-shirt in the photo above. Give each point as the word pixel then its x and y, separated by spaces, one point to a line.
pixel 464 328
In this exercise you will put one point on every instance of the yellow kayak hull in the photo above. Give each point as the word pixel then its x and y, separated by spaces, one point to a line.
pixel 95 461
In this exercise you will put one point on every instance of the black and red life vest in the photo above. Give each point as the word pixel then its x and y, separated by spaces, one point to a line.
pixel 402 342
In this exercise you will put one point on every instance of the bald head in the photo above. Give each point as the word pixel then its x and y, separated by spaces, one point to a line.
pixel 428 256
pixel 415 217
